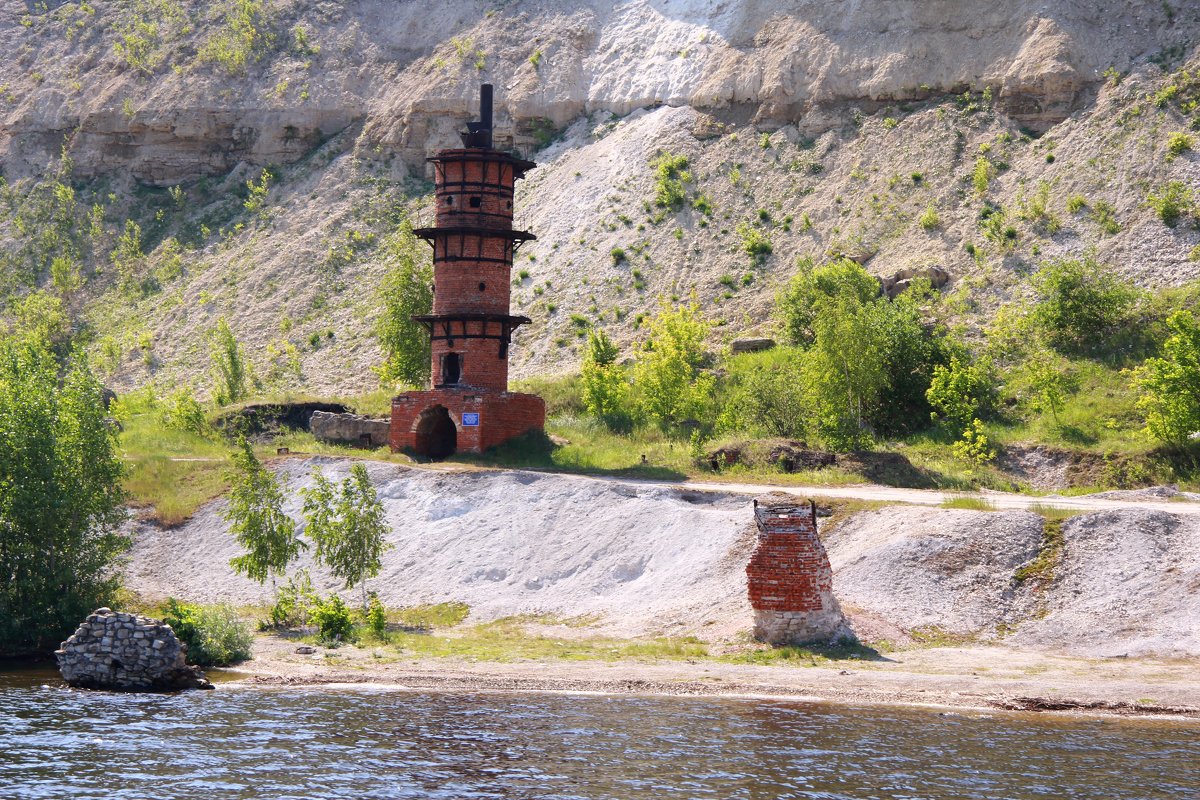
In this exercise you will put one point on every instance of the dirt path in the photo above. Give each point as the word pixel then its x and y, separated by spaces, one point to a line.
pixel 975 678
pixel 1004 501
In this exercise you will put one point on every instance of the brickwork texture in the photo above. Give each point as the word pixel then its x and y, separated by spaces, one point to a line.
pixel 789 579
pixel 473 245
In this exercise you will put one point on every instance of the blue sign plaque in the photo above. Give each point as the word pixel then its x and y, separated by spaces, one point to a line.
pixel 470 420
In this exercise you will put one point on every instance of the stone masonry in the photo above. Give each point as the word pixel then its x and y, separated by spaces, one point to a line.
pixel 127 653
pixel 789 577
pixel 350 429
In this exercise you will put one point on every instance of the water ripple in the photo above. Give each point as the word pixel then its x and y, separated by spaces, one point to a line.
pixel 305 744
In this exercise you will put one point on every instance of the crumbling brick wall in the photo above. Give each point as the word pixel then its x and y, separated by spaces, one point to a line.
pixel 789 578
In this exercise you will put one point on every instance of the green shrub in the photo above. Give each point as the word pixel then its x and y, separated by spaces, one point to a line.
pixel 230 372
pixel 214 635
pixel 974 447
pixel 333 620
pixel 618 255
pixel 670 173
pixel 981 175
pixel 1076 203
pixel 1171 202
pixel 1169 400
pixel 1080 301
pixel 1177 145
pixel 1104 215
pixel 183 412
pixel 755 242
pixel 243 36
pixel 294 602
pixel 929 219
pixel 377 617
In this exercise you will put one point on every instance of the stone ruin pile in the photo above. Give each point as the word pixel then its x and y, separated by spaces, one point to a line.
pixel 127 653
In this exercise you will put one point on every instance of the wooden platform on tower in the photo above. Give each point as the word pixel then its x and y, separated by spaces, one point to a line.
pixel 469 407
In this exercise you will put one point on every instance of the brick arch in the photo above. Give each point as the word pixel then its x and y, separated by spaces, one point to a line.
pixel 435 433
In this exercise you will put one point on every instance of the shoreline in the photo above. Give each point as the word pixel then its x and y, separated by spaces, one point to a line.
pixel 1049 686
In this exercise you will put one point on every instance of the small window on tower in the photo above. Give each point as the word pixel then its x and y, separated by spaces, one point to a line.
pixel 482 286
pixel 508 204
pixel 451 368
pixel 449 200
pixel 475 201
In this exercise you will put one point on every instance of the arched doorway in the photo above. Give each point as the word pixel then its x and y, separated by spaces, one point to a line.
pixel 437 436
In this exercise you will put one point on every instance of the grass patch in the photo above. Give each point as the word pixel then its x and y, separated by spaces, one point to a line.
pixel 1049 512
pixel 1042 568
pixel 936 636
pixel 969 503
pixel 507 640
pixel 591 448
pixel 174 472
pixel 437 615
pixel 808 655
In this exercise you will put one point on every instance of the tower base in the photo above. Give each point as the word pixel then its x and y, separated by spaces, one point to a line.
pixel 441 422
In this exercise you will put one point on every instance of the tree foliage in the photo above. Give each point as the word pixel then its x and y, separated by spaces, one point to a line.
pixel 765 394
pixel 670 383
pixel 230 373
pixel 1170 385
pixel 406 291
pixel 868 360
pixel 60 496
pixel 1080 302
pixel 347 527
pixel 256 518
pixel 957 391
pixel 797 305
pixel 604 386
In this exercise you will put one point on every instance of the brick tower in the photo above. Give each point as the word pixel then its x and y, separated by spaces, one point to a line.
pixel 469 407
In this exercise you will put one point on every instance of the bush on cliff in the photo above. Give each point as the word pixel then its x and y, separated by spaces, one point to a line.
pixel 60 495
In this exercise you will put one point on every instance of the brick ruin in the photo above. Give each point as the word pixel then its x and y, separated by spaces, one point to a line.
pixel 469 408
pixel 789 577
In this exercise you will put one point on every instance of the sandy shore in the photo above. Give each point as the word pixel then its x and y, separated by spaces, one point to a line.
pixel 967 678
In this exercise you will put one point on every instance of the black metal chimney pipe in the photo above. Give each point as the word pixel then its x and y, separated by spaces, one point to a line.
pixel 479 134
pixel 485 110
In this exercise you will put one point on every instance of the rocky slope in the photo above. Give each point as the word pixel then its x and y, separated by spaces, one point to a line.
pixel 821 127
pixel 633 559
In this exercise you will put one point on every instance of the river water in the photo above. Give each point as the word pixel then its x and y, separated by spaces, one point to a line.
pixel 318 743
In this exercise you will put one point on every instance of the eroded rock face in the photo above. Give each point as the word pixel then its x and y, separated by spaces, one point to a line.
pixel 127 653
pixel 407 73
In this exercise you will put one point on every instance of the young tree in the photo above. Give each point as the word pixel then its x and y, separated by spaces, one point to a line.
pixel 847 368
pixel 406 290
pixel 256 518
pixel 60 496
pixel 796 306
pixel 956 392
pixel 605 389
pixel 766 394
pixel 347 527
pixel 1079 301
pixel 1048 383
pixel 229 364
pixel 667 374
pixel 1170 385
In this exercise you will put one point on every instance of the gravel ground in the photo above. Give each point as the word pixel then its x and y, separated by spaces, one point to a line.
pixel 1128 584
pixel 638 559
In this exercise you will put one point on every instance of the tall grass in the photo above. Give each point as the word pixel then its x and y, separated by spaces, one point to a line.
pixel 969 503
